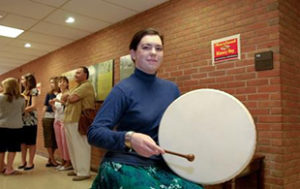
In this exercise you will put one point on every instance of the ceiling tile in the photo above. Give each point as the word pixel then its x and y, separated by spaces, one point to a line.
pixel 54 3
pixel 16 21
pixel 28 51
pixel 10 62
pixel 6 66
pixel 137 5
pixel 44 38
pixel 99 9
pixel 15 56
pixel 59 31
pixel 4 41
pixel 25 8
pixel 81 22
pixel 35 46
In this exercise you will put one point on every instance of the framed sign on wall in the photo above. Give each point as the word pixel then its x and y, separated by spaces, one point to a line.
pixel 227 48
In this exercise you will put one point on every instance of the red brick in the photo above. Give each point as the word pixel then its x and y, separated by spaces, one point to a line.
pixel 247 90
pixel 199 75
pixel 216 73
pixel 224 79
pixel 258 97
pixel 275 96
pixel 250 104
pixel 236 84
pixel 177 74
pixel 190 71
pixel 246 76
pixel 271 88
pixel 259 112
pixel 270 119
pixel 265 74
pixel 257 82
pixel 236 71
pixel 225 66
pixel 190 83
pixel 277 142
pixel 269 104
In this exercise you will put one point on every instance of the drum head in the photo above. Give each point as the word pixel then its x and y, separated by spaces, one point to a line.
pixel 215 127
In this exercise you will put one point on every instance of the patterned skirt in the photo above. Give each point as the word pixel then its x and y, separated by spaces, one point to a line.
pixel 112 175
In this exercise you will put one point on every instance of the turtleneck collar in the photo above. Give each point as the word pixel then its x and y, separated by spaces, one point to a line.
pixel 144 76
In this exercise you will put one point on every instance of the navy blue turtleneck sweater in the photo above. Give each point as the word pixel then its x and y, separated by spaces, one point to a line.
pixel 135 104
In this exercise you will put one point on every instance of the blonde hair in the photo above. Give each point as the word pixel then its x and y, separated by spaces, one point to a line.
pixel 11 88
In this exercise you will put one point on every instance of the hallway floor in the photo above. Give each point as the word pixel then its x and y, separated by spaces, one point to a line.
pixel 42 177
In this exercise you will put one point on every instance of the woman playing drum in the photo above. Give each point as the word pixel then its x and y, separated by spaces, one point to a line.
pixel 128 121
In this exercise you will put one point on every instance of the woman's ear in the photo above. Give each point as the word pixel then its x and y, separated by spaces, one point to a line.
pixel 133 54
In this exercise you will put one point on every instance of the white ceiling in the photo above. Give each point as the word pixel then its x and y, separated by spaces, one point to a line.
pixel 45 27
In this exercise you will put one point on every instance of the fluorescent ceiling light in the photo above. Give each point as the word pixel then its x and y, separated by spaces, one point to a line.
pixel 27 45
pixel 70 20
pixel 10 32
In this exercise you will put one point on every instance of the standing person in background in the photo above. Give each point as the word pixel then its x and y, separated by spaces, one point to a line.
pixel 30 120
pixel 80 98
pixel 12 106
pixel 48 122
pixel 127 123
pixel 58 107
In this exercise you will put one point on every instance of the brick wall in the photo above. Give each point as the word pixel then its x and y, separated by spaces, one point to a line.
pixel 189 26
pixel 290 81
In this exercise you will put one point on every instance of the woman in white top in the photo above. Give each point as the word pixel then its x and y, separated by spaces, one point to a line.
pixel 58 107
pixel 12 105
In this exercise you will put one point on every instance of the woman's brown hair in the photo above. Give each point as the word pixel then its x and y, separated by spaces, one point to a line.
pixel 30 83
pixel 11 88
pixel 64 78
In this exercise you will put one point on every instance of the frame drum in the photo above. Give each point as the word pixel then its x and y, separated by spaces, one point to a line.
pixel 215 127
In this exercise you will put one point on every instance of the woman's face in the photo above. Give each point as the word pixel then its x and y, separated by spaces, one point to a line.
pixel 62 84
pixel 23 81
pixel 149 54
pixel 52 84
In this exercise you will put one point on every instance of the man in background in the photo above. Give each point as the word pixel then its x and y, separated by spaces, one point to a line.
pixel 80 98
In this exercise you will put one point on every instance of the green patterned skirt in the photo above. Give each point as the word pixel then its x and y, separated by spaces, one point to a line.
pixel 113 175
